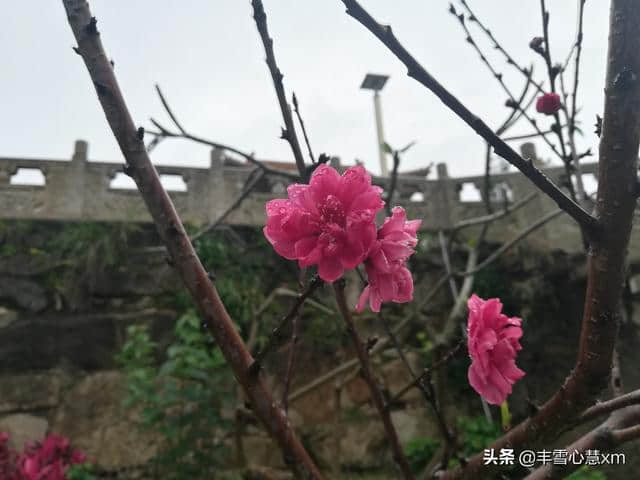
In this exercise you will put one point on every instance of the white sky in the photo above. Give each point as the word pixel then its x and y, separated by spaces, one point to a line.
pixel 207 57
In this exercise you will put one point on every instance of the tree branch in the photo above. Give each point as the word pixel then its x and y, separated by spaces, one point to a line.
pixel 417 71
pixel 248 188
pixel 367 375
pixel 289 131
pixel 166 133
pixel 172 232
pixel 614 207
pixel 304 130
pixel 276 333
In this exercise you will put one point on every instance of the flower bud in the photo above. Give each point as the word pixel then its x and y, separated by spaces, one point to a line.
pixel 549 103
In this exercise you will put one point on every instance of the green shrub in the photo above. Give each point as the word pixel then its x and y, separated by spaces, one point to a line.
pixel 419 452
pixel 181 399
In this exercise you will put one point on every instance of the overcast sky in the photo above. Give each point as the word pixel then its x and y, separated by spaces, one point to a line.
pixel 207 57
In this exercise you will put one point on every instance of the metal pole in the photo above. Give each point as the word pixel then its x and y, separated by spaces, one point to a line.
pixel 384 169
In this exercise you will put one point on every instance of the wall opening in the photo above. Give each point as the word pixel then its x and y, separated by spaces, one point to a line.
pixel 28 176
pixel 173 183
pixel 589 181
pixel 416 197
pixel 469 193
pixel 121 181
pixel 502 192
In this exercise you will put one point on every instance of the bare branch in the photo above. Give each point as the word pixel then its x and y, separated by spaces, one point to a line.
pixel 510 60
pixel 393 181
pixel 472 222
pixel 289 131
pixel 602 408
pixel 276 333
pixel 367 375
pixel 519 237
pixel 166 133
pixel 170 112
pixel 417 71
pixel 252 181
pixel 304 130
pixel 498 76
pixel 615 206
pixel 288 377
pixel 172 232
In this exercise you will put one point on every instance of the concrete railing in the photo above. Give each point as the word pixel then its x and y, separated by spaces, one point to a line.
pixel 82 190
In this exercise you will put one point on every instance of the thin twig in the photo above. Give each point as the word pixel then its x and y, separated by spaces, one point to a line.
pixel 393 181
pixel 553 72
pixel 288 377
pixel 166 133
pixel 475 221
pixel 526 136
pixel 432 368
pixel 510 60
pixel 289 131
pixel 276 333
pixel 498 76
pixel 296 109
pixel 367 375
pixel 524 233
pixel 254 178
pixel 417 71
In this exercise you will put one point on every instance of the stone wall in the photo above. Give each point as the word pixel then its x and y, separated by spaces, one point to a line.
pixel 82 190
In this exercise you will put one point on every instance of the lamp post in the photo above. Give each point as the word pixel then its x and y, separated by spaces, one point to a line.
pixel 376 83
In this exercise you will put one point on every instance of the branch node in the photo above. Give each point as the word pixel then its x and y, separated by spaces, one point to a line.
pixel 91 27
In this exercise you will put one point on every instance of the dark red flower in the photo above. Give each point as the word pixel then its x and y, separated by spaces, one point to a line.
pixel 549 103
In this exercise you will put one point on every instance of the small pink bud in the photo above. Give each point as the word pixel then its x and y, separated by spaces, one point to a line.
pixel 549 103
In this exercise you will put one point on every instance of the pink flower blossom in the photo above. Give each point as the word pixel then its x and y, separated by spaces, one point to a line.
pixel 46 460
pixel 389 278
pixel 549 103
pixel 329 223
pixel 493 342
pixel 395 286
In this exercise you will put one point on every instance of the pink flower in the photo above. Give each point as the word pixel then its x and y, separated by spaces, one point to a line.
pixel 329 223
pixel 549 103
pixel 493 342
pixel 389 278
pixel 77 457
pixel 395 286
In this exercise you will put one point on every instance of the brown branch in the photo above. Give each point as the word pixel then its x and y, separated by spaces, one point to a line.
pixel 304 130
pixel 614 207
pixel 393 181
pixel 276 333
pixel 417 71
pixel 416 379
pixel 289 131
pixel 520 236
pixel 166 133
pixel 172 232
pixel 367 375
pixel 576 71
pixel 553 72
pixel 252 181
pixel 472 222
pixel 527 135
pixel 510 60
pixel 288 377
pixel 498 76
pixel 622 426
pixel 609 406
